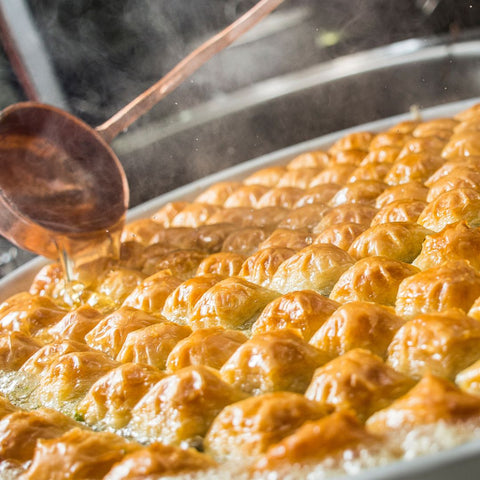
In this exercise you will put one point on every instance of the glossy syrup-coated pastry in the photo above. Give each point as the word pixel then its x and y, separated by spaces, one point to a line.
pixel 258 366
pixel 141 231
pixel 469 379
pixel 77 455
pixel 305 217
pixel 179 304
pixel 361 191
pixel 268 176
pixel 29 313
pixel 451 207
pixel 119 283
pixel 46 281
pixel 74 325
pixel 352 156
pixel 69 377
pixel 225 264
pixel 230 303
pixel 239 216
pixel 217 193
pixel 372 279
pixel 314 158
pixel 303 311
pixel 108 336
pixel 260 267
pixel 358 381
pixel 20 430
pixel 341 235
pixel 194 215
pixel 470 163
pixel 268 217
pixel 347 213
pixel 300 178
pixel 180 263
pixel 440 343
pixel 431 144
pixel 325 439
pixel 111 398
pixel 210 238
pixel 432 400
pixel 358 325
pixel 158 460
pixel 236 322
pixel 249 427
pixel 43 358
pixel 207 346
pixel 316 267
pixel 453 284
pixel 397 240
pixel 464 144
pixel 182 406
pixel 384 154
pixel 15 349
pixel 168 212
pixel 455 242
pixel 151 294
pixel 460 177
pixel 413 167
pixel 6 407
pixel 433 127
pixel 400 211
pixel 355 140
pixel 286 238
pixel 245 241
pixel 405 191
pixel 246 196
pixel 322 193
pixel 285 197
pixel 373 171
pixel 337 173
pixel 152 345
pixel 391 138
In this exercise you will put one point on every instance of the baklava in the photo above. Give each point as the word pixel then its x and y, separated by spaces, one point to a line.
pixel 319 316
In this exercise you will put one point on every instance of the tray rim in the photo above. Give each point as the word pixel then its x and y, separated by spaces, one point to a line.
pixel 19 280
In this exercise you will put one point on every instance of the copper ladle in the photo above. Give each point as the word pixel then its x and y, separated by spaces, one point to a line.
pixel 59 176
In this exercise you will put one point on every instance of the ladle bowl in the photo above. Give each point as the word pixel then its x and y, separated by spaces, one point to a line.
pixel 59 176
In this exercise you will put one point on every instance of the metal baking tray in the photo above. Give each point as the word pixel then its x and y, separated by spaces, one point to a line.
pixel 461 462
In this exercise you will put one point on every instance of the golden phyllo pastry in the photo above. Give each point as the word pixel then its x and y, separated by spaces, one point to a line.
pixel 207 346
pixel 307 320
pixel 251 426
pixel 20 431
pixel 440 343
pixel 372 279
pixel 398 240
pixel 357 325
pixel 453 284
pixel 157 461
pixel 152 345
pixel 77 455
pixel 182 406
pixel 358 381
pixel 111 398
pixel 303 311
pixel 230 303
pixel 317 441
pixel 316 267
pixel 432 400
pixel 258 366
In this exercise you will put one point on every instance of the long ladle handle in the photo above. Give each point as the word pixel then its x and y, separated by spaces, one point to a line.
pixel 148 99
